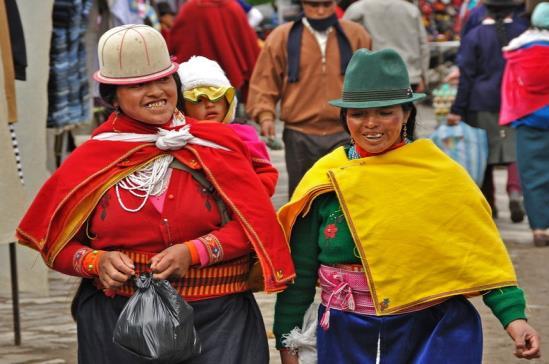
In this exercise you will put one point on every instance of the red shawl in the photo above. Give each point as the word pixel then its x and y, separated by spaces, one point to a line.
pixel 218 30
pixel 67 199
pixel 525 86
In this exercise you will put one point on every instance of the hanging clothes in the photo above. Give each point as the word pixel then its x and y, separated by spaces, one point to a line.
pixel 134 12
pixel 68 85
pixel 10 15
pixel 17 38
pixel 7 65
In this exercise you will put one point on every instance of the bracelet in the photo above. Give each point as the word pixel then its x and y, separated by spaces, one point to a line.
pixel 193 251
pixel 90 263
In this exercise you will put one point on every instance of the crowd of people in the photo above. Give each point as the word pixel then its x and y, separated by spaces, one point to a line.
pixel 175 184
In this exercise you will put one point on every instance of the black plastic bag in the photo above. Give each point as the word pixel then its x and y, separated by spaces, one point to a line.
pixel 157 324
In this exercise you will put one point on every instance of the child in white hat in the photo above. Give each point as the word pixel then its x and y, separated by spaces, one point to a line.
pixel 208 95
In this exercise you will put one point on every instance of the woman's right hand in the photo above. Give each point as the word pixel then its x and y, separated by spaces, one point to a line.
pixel 115 268
pixel 453 119
pixel 288 357
pixel 267 127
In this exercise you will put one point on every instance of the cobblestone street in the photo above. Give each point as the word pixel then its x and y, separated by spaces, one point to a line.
pixel 49 334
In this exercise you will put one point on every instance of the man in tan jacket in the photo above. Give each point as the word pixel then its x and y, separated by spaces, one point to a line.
pixel 302 65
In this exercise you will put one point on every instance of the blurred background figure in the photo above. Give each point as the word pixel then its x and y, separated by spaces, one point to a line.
pixel 525 105
pixel 302 65
pixel 477 101
pixel 166 16
pixel 218 30
pixel 405 33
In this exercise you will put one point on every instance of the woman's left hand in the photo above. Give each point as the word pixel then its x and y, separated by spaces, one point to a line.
pixel 527 343
pixel 173 261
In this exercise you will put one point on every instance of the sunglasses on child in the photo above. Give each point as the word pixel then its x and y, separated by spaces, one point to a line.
pixel 316 4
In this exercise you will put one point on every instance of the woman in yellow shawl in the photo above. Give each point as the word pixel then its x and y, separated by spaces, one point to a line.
pixel 397 234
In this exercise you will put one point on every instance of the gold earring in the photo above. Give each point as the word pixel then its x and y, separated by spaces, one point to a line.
pixel 403 133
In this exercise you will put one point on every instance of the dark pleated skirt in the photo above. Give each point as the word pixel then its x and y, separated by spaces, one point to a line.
pixel 501 139
pixel 532 160
pixel 449 333
pixel 230 328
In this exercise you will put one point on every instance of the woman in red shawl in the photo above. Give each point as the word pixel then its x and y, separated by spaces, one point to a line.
pixel 131 200
pixel 218 30
pixel 525 106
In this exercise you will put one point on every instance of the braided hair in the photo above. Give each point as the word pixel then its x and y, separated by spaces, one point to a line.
pixel 499 13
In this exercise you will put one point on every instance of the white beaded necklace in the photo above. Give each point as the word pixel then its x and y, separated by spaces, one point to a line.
pixel 151 180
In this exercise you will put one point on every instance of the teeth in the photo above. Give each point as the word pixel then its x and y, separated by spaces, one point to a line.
pixel 155 104
pixel 376 135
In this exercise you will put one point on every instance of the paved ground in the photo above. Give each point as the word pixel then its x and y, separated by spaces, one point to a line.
pixel 49 334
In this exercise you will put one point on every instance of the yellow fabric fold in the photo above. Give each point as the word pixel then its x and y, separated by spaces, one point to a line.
pixel 423 228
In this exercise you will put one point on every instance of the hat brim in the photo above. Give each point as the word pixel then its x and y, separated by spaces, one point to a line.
pixel 371 104
pixel 133 80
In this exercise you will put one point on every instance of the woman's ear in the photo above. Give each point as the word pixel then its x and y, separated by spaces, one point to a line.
pixel 407 115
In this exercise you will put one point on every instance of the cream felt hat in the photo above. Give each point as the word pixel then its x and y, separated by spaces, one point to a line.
pixel 133 53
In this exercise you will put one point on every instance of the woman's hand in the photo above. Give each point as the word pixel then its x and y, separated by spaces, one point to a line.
pixel 288 357
pixel 453 119
pixel 115 268
pixel 527 344
pixel 173 261
pixel 267 127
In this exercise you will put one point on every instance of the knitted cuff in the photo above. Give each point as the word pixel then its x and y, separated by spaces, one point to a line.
pixel 213 247
pixel 508 304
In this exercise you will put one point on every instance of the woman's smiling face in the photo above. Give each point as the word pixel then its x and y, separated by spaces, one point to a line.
pixel 377 129
pixel 151 102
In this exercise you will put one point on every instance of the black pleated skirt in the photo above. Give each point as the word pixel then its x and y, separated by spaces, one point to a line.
pixel 230 328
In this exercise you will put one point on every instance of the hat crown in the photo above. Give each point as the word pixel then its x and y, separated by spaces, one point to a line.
pixel 376 71
pixel 200 71
pixel 132 51
pixel 540 16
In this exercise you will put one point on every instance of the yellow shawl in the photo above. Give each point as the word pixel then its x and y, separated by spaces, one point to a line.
pixel 422 227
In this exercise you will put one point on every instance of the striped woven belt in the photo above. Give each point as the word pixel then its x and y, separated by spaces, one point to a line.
pixel 213 281
pixel 344 288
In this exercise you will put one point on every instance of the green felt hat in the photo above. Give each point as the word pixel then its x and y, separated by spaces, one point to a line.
pixel 376 79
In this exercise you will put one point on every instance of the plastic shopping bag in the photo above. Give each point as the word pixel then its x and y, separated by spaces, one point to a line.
pixel 157 324
pixel 466 145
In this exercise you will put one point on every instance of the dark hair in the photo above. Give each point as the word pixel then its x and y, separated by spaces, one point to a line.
pixel 410 123
pixel 108 92
pixel 499 13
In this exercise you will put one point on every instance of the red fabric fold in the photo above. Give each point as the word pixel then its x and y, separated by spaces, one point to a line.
pixel 90 166
pixel 525 86
pixel 218 30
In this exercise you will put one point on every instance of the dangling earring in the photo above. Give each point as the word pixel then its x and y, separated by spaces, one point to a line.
pixel 116 113
pixel 403 132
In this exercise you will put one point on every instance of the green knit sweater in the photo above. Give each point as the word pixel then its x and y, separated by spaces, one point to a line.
pixel 323 237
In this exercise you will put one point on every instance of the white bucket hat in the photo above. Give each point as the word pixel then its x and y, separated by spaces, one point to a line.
pixel 200 71
pixel 202 76
pixel 133 53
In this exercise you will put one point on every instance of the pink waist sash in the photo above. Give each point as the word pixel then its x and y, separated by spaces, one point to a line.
pixel 344 288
